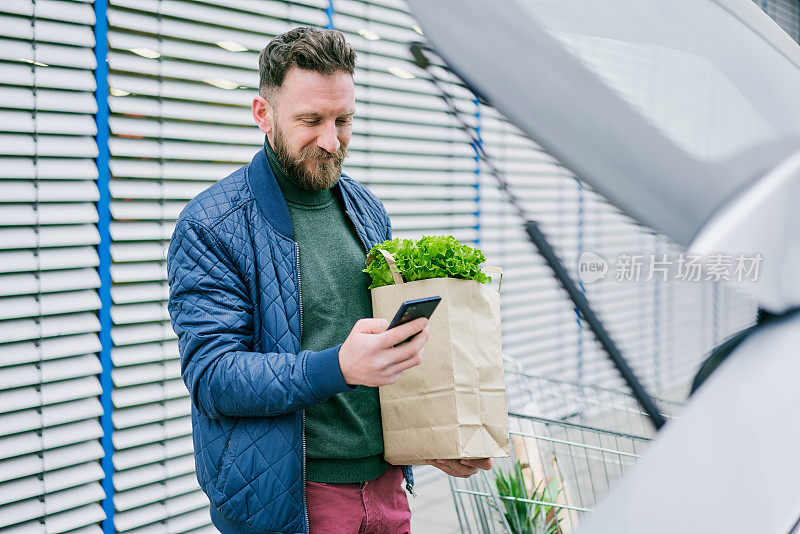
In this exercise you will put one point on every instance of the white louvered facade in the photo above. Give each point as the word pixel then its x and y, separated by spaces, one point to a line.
pixel 49 404
pixel 180 120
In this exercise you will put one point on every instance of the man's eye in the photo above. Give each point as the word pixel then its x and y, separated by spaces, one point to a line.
pixel 309 122
pixel 343 121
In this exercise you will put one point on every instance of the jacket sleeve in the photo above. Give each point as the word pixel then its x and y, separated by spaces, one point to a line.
pixel 212 314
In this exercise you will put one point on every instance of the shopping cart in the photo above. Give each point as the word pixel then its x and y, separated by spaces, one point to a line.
pixel 569 443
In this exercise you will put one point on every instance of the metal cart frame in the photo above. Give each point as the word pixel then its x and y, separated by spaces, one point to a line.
pixel 570 442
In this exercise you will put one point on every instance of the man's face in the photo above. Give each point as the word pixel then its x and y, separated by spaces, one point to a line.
pixel 312 120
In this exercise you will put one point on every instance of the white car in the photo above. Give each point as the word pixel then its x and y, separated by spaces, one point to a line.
pixel 686 115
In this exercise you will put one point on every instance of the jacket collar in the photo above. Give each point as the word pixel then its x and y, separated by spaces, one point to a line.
pixel 269 197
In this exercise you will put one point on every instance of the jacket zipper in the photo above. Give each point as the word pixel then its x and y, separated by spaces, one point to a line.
pixel 303 412
pixel 352 221
pixel 305 496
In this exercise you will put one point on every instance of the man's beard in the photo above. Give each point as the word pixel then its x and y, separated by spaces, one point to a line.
pixel 324 172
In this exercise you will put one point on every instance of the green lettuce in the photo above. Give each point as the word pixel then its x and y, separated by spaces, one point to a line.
pixel 439 256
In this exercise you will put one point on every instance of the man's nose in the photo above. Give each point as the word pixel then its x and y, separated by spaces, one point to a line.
pixel 328 139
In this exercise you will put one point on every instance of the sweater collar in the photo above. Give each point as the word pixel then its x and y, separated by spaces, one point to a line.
pixel 271 202
pixel 291 189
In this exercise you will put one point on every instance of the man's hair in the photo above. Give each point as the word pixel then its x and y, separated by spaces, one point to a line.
pixel 320 50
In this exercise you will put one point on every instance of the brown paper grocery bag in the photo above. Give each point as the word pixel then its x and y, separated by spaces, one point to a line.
pixel 452 405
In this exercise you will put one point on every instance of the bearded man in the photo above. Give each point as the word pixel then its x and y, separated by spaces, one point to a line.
pixel 267 296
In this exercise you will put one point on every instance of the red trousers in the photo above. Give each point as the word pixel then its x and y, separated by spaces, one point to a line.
pixel 377 506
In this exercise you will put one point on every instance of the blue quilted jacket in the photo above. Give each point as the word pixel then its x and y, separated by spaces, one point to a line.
pixel 235 303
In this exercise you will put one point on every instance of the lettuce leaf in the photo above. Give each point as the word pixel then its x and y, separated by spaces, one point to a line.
pixel 439 256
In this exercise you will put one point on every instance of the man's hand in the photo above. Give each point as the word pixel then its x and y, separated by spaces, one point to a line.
pixel 461 468
pixel 369 357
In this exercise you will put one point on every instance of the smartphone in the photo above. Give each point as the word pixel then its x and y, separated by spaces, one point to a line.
pixel 413 309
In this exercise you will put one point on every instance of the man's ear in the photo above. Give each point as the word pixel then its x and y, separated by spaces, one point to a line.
pixel 263 114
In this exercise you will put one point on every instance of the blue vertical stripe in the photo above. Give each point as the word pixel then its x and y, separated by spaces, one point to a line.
pixel 330 11
pixel 104 254
pixel 477 158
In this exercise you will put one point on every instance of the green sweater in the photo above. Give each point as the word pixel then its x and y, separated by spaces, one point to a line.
pixel 344 441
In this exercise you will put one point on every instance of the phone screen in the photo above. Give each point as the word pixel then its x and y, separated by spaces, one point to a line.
pixel 413 309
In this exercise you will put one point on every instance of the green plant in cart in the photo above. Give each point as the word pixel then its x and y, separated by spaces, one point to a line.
pixel 528 517
pixel 440 256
